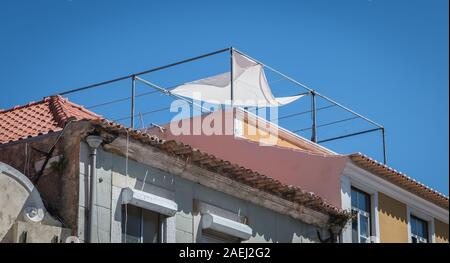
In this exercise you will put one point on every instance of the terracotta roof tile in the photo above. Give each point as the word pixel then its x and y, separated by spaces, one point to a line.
pixel 37 118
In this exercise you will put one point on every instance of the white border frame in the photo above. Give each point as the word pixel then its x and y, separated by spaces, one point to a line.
pixel 346 184
pixel 374 216
pixel 425 217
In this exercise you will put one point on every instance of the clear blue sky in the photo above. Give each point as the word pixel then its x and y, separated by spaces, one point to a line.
pixel 387 59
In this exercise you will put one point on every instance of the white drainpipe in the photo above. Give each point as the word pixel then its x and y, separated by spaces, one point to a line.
pixel 94 142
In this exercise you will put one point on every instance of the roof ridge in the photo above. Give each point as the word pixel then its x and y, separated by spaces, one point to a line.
pixel 35 118
pixel 59 106
pixel 81 108
pixel 58 111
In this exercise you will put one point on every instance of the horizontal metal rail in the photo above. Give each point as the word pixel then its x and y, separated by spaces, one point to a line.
pixel 302 112
pixel 169 93
pixel 143 72
pixel 329 123
pixel 349 135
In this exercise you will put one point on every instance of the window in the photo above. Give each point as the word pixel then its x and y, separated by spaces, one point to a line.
pixel 361 229
pixel 140 225
pixel 419 230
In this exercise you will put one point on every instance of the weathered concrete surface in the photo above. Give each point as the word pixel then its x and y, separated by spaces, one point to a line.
pixel 68 206
pixel 58 185
pixel 24 232
pixel 22 157
pixel 13 197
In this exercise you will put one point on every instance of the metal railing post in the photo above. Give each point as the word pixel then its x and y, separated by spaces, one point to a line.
pixel 133 86
pixel 313 111
pixel 231 76
pixel 384 145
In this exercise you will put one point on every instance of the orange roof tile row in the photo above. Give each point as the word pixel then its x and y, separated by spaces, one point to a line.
pixel 38 118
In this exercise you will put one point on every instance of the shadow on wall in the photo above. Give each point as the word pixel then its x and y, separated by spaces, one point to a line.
pixel 277 229
pixel 392 208
pixel 28 158
pixel 267 225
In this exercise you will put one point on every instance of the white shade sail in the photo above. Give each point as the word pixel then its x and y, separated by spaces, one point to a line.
pixel 250 87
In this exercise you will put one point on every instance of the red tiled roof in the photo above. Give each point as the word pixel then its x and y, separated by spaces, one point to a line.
pixel 38 118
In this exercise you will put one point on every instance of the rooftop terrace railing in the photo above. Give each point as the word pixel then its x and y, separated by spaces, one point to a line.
pixel 142 99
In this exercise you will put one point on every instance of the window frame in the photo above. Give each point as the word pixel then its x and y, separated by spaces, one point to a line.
pixel 369 215
pixel 349 180
pixel 160 223
pixel 168 231
pixel 421 215
pixel 427 231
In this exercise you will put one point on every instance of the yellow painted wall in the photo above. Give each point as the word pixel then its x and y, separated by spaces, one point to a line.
pixel 255 134
pixel 392 220
pixel 441 231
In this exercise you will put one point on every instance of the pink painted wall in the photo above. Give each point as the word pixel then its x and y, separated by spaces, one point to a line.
pixel 317 173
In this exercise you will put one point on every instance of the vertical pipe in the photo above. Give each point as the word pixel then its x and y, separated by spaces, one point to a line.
pixel 94 142
pixel 133 82
pixel 313 111
pixel 384 146
pixel 93 194
pixel 231 75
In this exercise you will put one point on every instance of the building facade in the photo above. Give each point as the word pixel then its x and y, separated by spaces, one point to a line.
pixel 388 206
pixel 391 207
pixel 92 180
pixel 102 182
